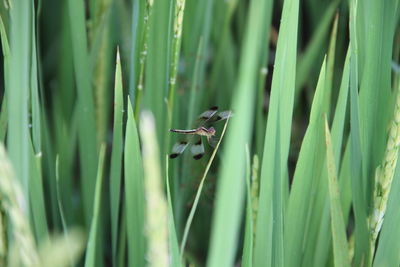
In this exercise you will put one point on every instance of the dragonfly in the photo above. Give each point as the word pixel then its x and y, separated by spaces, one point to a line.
pixel 204 128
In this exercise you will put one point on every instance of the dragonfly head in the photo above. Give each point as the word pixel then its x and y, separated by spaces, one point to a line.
pixel 211 130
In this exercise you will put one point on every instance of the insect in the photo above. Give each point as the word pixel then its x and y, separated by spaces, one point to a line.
pixel 204 128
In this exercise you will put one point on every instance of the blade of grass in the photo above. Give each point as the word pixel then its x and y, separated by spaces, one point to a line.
pixel 60 207
pixel 269 249
pixel 37 196
pixel 34 90
pixel 340 247
pixel 230 188
pixel 17 93
pixel 92 244
pixel 134 193
pixel 116 158
pixel 87 142
pixel 198 193
pixel 173 239
pixel 6 64
pixel 306 178
pixel 247 256
pixel 356 153
pixel 156 204
pixel 323 243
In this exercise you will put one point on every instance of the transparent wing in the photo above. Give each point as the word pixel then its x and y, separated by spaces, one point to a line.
pixel 197 149
pixel 207 115
pixel 223 115
pixel 178 149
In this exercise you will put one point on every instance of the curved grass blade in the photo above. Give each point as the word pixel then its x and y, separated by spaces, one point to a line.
pixel 173 239
pixel 116 157
pixel 247 256
pixel 87 125
pixel 269 248
pixel 340 246
pixel 231 185
pixel 93 243
pixel 198 193
pixel 134 193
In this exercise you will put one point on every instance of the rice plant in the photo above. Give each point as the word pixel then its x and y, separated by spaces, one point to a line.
pixel 199 133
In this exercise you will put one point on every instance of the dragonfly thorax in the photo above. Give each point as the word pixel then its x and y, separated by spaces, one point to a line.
pixel 206 131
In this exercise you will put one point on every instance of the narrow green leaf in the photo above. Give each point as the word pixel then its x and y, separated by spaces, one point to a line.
pixel 134 193
pixel 247 256
pixel 93 243
pixel 356 153
pixel 116 157
pixel 323 242
pixel 198 192
pixel 87 125
pixel 37 196
pixel 18 92
pixel 231 185
pixel 306 178
pixel 34 89
pixel 340 247
pixel 269 240
pixel 173 238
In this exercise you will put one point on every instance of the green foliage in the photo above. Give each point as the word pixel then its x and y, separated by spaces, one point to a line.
pixel 85 178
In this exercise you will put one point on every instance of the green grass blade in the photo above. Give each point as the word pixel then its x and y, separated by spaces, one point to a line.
pixel 17 92
pixel 87 125
pixel 116 157
pixel 230 188
pixel 34 92
pixel 357 184
pixel 37 196
pixel 247 256
pixel 93 242
pixel 59 202
pixel 269 228
pixel 198 193
pixel 134 193
pixel 323 243
pixel 340 247
pixel 306 178
pixel 173 238
pixel 156 203
pixel 6 58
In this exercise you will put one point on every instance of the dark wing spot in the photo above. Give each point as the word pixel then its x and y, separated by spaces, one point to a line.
pixel 198 156
pixel 183 142
pixel 214 108
pixel 173 155
pixel 198 142
pixel 217 118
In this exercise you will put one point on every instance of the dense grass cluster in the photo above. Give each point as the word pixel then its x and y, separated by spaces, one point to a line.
pixel 304 174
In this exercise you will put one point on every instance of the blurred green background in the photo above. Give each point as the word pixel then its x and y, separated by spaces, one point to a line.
pixel 302 176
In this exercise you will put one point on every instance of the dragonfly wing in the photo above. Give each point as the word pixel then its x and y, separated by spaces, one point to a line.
pixel 207 115
pixel 178 149
pixel 197 149
pixel 223 115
